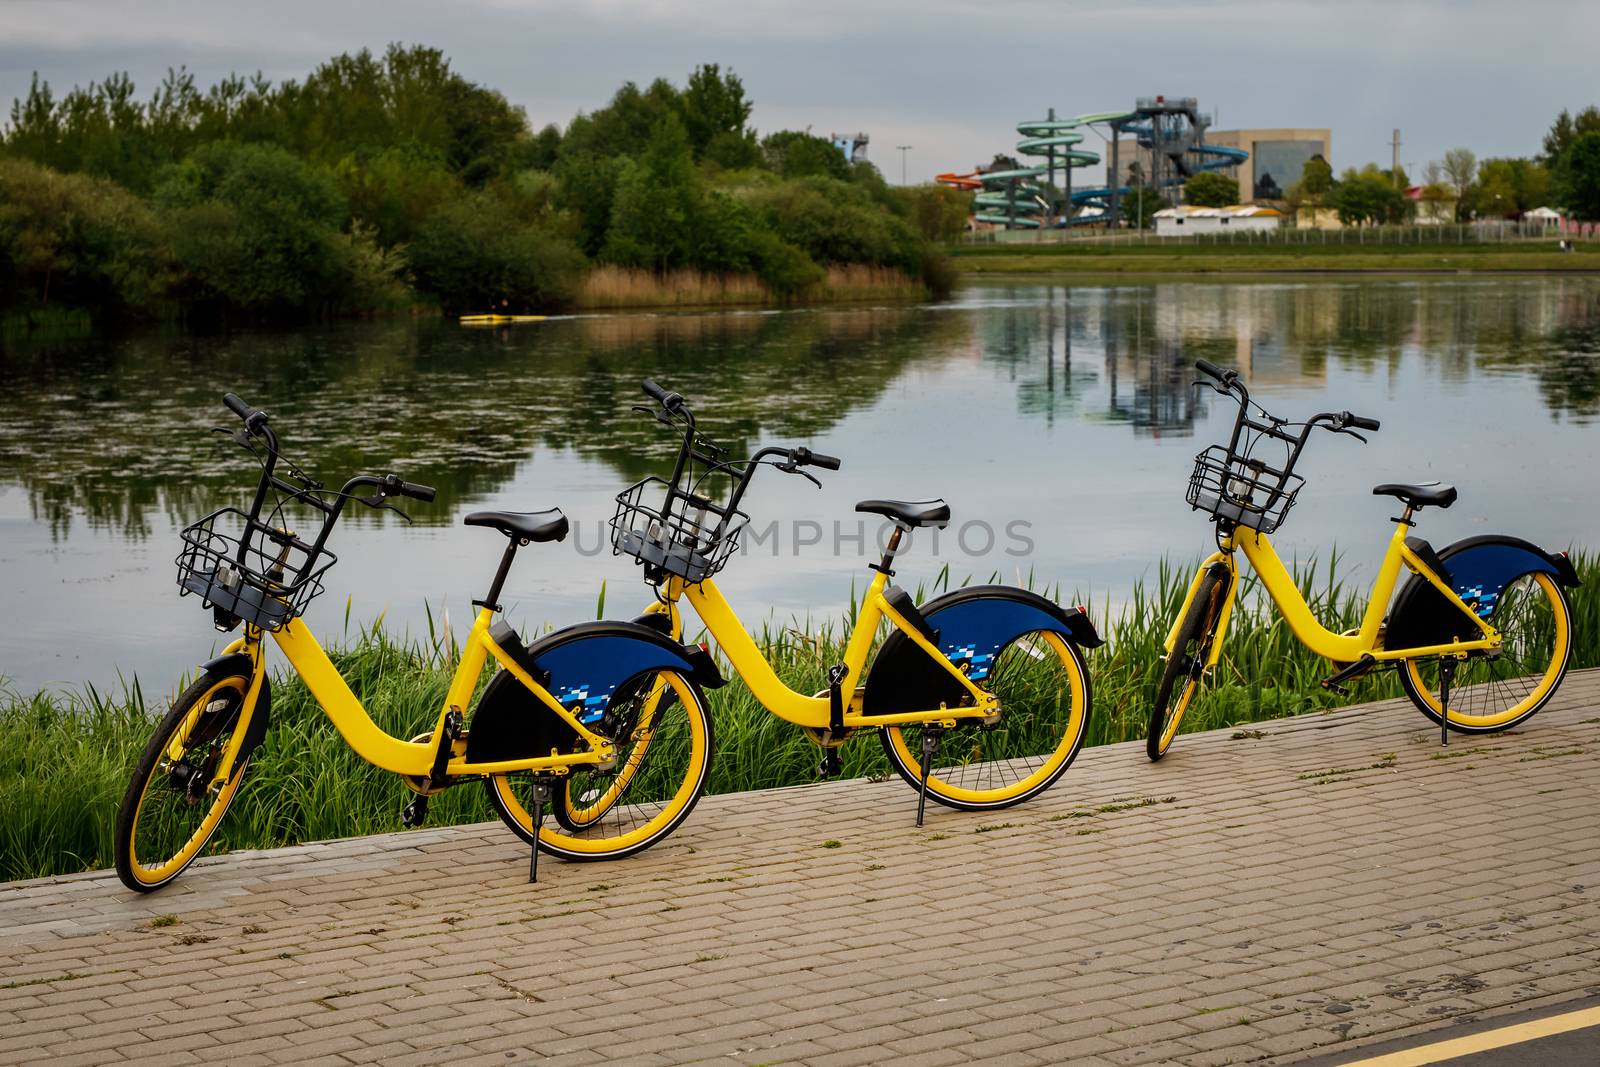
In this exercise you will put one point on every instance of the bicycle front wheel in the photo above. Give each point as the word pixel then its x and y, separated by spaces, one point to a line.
pixel 662 728
pixel 1186 663
pixel 1044 694
pixel 1493 693
pixel 170 810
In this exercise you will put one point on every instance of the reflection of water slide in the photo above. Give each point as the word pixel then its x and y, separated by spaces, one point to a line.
pixel 1173 133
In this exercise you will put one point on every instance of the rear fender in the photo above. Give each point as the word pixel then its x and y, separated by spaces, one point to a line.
pixel 583 667
pixel 1478 569
pixel 971 626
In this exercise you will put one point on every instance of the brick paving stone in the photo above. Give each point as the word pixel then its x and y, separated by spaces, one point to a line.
pixel 1270 910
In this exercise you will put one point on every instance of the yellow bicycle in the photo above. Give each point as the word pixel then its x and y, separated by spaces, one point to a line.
pixel 1481 631
pixel 980 698
pixel 611 711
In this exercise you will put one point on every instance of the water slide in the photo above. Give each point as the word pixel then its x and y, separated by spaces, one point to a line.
pixel 1015 198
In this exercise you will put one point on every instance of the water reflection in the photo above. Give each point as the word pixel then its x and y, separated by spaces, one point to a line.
pixel 115 433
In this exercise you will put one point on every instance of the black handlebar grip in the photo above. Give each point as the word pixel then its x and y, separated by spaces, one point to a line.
pixel 1205 366
pixel 654 391
pixel 424 493
pixel 1360 422
pixel 827 463
pixel 232 402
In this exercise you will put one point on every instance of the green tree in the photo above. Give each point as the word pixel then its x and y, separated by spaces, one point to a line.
pixel 1138 207
pixel 714 106
pixel 470 257
pixel 1566 129
pixel 77 241
pixel 623 127
pixel 259 232
pixel 1578 176
pixel 1316 180
pixel 1461 166
pixel 1210 189
pixel 796 154
pixel 654 203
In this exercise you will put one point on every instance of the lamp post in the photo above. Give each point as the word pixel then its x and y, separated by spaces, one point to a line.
pixel 904 148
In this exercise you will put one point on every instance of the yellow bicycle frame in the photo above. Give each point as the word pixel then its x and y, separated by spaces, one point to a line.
pixel 371 743
pixel 813 711
pixel 1285 594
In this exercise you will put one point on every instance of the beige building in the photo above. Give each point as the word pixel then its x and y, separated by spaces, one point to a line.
pixel 1277 157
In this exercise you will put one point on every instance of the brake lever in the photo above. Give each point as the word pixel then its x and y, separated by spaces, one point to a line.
pixel 655 413
pixel 790 468
pixel 1352 433
pixel 1213 386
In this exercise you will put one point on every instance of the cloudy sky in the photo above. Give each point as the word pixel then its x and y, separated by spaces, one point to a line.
pixel 950 79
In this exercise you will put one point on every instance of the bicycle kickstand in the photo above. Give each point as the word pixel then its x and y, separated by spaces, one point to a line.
pixel 541 797
pixel 1447 674
pixel 930 744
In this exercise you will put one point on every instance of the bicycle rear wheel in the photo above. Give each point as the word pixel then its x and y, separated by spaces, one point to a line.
pixel 1186 663
pixel 662 728
pixel 169 811
pixel 1494 693
pixel 1044 694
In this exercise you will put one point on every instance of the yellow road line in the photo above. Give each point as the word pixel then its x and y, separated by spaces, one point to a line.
pixel 1489 1039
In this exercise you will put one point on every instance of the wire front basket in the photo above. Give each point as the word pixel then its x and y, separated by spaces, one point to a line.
pixel 266 584
pixel 1242 490
pixel 675 532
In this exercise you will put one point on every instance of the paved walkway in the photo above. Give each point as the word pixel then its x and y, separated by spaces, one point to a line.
pixel 1276 892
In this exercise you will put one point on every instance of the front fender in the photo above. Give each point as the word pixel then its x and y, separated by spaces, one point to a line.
pixel 583 667
pixel 971 626
pixel 239 663
pixel 1478 569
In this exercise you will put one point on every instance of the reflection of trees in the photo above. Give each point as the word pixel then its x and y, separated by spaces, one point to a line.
pixel 115 431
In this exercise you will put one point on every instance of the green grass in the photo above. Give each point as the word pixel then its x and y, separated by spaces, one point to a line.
pixel 67 757
pixel 1162 257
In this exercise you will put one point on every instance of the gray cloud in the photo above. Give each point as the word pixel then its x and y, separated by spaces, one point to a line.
pixel 950 78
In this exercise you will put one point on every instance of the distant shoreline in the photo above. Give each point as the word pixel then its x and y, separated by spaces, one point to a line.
pixel 1312 260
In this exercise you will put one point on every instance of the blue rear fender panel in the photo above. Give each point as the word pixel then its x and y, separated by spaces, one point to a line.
pixel 585 666
pixel 1479 569
pixel 973 626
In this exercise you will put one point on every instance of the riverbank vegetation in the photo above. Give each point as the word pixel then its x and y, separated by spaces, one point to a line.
pixel 68 757
pixel 385 183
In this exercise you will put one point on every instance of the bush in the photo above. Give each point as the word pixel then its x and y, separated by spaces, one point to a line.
pixel 68 239
pixel 1210 189
pixel 468 255
pixel 787 270
pixel 937 212
pixel 259 232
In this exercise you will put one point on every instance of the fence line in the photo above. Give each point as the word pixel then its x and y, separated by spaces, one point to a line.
pixel 1452 233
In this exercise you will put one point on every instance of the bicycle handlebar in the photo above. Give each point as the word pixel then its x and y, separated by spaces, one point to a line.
pixel 807 458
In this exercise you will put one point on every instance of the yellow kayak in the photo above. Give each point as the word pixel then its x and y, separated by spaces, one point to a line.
pixel 499 320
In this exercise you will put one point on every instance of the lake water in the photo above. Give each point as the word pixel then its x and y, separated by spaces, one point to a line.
pixel 1057 420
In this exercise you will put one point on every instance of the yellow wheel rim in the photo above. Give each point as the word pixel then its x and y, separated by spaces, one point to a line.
pixel 1538 692
pixel 666 811
pixel 1059 755
pixel 158 872
pixel 584 812
pixel 1176 713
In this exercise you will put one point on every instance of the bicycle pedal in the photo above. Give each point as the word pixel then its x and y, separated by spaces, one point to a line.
pixel 1329 683
pixel 414 813
pixel 830 766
